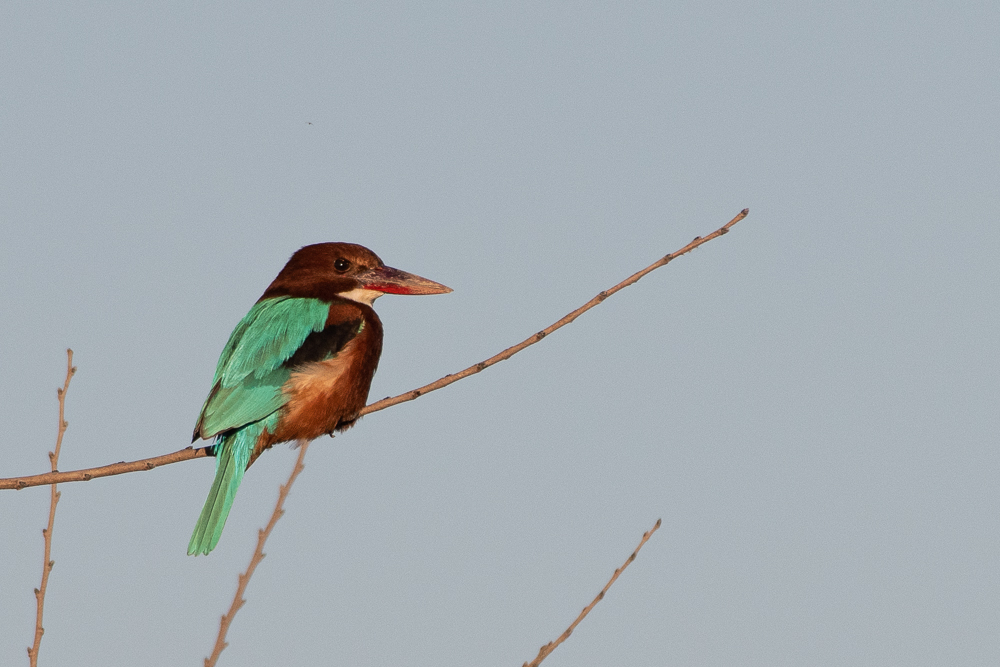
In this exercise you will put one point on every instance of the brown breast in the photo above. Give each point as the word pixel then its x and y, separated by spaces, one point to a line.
pixel 326 396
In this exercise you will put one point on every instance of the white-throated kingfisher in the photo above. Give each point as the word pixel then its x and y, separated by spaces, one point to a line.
pixel 298 366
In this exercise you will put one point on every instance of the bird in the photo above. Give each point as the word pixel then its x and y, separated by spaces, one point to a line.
pixel 298 366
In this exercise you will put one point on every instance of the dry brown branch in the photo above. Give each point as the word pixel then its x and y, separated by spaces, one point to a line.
pixel 551 646
pixel 18 483
pixel 258 556
pixel 192 453
pixel 511 351
pixel 47 563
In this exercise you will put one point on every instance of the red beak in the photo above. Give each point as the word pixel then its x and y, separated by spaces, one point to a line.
pixel 388 280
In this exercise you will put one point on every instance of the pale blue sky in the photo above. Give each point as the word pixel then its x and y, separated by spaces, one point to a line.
pixel 809 403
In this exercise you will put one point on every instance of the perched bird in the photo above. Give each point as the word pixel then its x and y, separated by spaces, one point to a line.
pixel 298 366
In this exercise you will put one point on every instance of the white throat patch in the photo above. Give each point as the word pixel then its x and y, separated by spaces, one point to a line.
pixel 365 296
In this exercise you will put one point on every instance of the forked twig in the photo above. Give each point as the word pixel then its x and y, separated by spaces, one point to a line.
pixel 191 453
pixel 47 563
pixel 258 556
pixel 551 646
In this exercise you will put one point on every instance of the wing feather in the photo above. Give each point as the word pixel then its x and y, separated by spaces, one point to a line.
pixel 252 369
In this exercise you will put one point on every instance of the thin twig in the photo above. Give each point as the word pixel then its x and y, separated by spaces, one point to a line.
pixel 18 483
pixel 511 351
pixel 258 556
pixel 47 563
pixel 193 453
pixel 551 646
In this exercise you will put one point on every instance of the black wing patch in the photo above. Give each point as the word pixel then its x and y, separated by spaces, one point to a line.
pixel 323 345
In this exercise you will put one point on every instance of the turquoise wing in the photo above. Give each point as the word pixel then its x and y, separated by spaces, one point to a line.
pixel 251 369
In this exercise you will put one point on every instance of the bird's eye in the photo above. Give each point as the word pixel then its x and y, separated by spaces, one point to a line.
pixel 341 265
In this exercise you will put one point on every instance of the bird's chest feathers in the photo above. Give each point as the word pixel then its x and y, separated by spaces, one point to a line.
pixel 326 395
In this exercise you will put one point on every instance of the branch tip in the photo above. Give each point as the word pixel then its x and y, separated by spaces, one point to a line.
pixel 47 561
pixel 551 646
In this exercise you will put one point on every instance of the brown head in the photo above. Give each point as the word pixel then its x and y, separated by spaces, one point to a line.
pixel 328 270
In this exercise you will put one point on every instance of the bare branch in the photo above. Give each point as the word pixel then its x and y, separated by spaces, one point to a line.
pixel 258 556
pixel 551 646
pixel 192 453
pixel 511 351
pixel 18 483
pixel 47 563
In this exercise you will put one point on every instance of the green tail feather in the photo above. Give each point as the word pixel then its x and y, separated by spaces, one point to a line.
pixel 232 454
